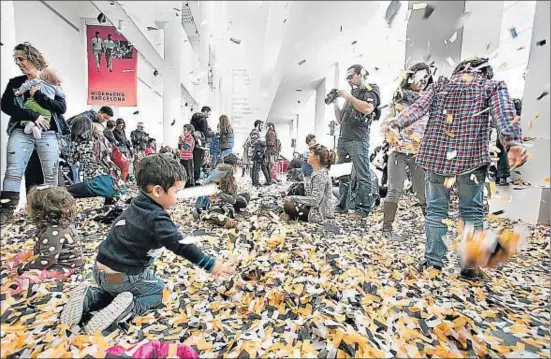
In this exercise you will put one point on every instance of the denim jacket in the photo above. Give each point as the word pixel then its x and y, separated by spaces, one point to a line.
pixel 10 107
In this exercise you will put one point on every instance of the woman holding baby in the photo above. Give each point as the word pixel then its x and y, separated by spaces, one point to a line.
pixel 35 103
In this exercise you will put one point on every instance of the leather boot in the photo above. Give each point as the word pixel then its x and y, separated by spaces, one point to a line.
pixel 8 204
pixel 389 214
pixel 79 190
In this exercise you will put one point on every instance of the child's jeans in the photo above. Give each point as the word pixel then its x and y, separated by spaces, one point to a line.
pixel 23 281
pixel 146 288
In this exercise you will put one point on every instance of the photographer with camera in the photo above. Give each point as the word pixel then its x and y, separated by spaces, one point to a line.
pixel 355 118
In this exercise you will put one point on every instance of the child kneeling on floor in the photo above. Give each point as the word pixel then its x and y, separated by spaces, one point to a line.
pixel 57 253
pixel 126 286
pixel 227 202
pixel 315 206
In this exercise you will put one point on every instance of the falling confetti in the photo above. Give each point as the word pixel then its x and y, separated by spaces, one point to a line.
pixel 428 12
pixel 451 155
pixel 513 32
pixel 515 120
pixel 450 134
pixel 419 6
pixel 392 11
pixel 449 182
pixel 449 119
pixel 542 95
pixel 468 77
pixel 541 42
pixel 530 125
pixel 450 61
pixel 453 38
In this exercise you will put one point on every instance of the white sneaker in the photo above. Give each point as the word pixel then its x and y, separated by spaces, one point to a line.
pixel 119 309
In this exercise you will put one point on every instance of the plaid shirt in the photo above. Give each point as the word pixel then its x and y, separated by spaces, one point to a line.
pixel 457 133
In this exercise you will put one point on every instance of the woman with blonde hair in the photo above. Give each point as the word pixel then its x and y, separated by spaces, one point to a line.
pixel 21 145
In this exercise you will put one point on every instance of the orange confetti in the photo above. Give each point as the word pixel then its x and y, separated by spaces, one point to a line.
pixel 449 119
pixel 468 77
pixel 546 179
pixel 530 125
pixel 449 182
pixel 515 120
pixel 451 134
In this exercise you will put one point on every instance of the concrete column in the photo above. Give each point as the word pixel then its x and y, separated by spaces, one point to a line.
pixel 319 120
pixel 425 37
pixel 532 203
pixel 172 92
pixel 9 70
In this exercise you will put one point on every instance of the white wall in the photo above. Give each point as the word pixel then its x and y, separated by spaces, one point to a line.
pixel 63 47
pixel 65 50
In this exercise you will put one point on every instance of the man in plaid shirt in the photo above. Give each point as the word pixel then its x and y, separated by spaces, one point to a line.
pixel 455 147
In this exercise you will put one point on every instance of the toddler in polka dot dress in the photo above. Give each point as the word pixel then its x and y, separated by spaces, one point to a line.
pixel 57 253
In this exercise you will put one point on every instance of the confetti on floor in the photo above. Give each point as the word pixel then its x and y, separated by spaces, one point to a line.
pixel 303 292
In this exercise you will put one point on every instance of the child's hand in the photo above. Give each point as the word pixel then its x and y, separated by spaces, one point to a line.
pixel 222 268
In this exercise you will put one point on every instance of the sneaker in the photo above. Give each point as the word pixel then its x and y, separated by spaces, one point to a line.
pixel 390 236
pixel 424 265
pixel 119 309
pixel 502 181
pixel 74 309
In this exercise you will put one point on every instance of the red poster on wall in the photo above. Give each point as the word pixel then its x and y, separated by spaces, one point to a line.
pixel 112 68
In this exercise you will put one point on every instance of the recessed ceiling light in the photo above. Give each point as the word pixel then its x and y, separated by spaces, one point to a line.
pixel 302 62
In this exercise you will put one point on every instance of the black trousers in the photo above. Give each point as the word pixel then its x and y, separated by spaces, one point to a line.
pixel 33 172
pixel 189 165
pixel 197 163
pixel 296 210
pixel 260 164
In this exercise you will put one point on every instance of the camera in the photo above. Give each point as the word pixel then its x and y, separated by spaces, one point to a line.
pixel 331 96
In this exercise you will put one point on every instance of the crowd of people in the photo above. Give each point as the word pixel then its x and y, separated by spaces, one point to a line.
pixel 438 129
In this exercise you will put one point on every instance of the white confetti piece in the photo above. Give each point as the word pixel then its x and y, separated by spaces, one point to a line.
pixel 419 6
pixel 453 38
pixel 450 61
pixel 451 155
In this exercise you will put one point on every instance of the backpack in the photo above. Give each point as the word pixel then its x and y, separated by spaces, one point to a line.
pixel 199 139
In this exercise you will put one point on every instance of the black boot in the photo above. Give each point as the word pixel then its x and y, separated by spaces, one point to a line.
pixel 79 190
pixel 8 204
pixel 389 214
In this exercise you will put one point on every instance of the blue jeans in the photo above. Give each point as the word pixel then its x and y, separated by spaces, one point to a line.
pixel 18 152
pixel 224 153
pixel 471 209
pixel 358 153
pixel 146 287
pixel 75 173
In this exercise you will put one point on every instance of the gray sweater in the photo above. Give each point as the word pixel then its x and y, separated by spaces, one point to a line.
pixel 318 197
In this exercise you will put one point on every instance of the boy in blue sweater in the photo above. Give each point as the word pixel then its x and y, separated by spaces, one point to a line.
pixel 126 286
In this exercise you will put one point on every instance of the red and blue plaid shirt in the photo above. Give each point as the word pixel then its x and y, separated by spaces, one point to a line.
pixel 456 137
